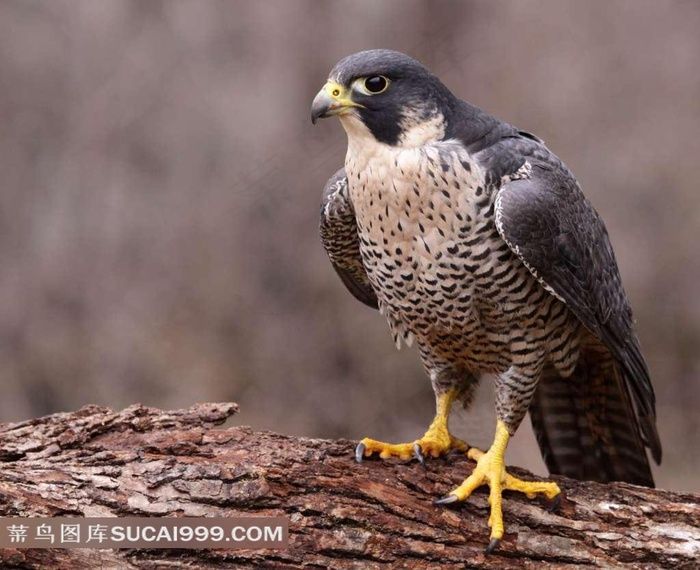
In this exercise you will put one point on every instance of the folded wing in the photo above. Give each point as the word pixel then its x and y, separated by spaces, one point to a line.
pixel 339 237
pixel 553 229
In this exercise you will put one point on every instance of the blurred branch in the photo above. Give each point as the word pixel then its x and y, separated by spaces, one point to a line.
pixel 143 461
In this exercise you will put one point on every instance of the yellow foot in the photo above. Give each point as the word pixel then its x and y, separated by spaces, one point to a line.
pixel 490 470
pixel 435 442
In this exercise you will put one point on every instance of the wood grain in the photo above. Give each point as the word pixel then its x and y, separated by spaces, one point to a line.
pixel 378 514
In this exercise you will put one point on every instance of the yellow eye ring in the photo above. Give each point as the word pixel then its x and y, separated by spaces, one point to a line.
pixel 375 84
pixel 335 92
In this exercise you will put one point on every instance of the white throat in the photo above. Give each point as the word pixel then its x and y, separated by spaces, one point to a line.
pixel 416 132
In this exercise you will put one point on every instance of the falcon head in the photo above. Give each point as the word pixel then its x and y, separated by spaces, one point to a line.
pixel 387 95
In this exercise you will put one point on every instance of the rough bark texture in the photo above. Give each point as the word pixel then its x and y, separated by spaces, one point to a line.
pixel 143 461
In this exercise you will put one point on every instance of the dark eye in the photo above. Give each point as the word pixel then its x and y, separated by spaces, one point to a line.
pixel 376 84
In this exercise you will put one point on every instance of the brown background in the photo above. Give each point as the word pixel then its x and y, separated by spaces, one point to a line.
pixel 160 179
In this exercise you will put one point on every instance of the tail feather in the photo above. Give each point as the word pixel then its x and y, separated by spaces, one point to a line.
pixel 586 426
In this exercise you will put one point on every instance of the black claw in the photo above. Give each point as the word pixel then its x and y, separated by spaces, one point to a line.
pixel 418 454
pixel 493 545
pixel 555 504
pixel 359 452
pixel 446 500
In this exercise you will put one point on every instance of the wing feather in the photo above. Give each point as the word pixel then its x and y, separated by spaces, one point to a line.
pixel 339 237
pixel 554 230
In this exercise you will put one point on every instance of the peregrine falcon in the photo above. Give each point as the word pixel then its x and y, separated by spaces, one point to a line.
pixel 476 242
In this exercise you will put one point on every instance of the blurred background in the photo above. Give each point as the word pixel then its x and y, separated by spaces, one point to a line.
pixel 160 183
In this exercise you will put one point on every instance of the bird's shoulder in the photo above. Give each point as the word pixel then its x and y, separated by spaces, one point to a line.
pixel 501 149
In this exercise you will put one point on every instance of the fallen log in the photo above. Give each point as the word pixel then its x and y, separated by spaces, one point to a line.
pixel 379 514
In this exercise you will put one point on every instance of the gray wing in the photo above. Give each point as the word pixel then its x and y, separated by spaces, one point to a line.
pixel 553 229
pixel 340 240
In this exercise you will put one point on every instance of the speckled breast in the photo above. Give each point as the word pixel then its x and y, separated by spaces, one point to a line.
pixel 428 238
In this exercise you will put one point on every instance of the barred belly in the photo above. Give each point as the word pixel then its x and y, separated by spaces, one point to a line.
pixel 442 273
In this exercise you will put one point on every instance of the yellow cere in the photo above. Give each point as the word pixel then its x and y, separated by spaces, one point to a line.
pixel 341 96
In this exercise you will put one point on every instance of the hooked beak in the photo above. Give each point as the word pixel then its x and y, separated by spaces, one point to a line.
pixel 332 99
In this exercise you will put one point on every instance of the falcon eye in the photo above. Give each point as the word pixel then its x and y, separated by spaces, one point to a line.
pixel 376 84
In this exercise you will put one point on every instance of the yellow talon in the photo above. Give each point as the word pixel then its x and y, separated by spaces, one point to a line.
pixel 490 470
pixel 436 442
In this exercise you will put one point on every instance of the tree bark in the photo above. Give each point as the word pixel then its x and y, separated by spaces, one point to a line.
pixel 378 514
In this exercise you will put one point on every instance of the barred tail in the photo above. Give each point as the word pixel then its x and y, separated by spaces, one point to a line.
pixel 586 426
